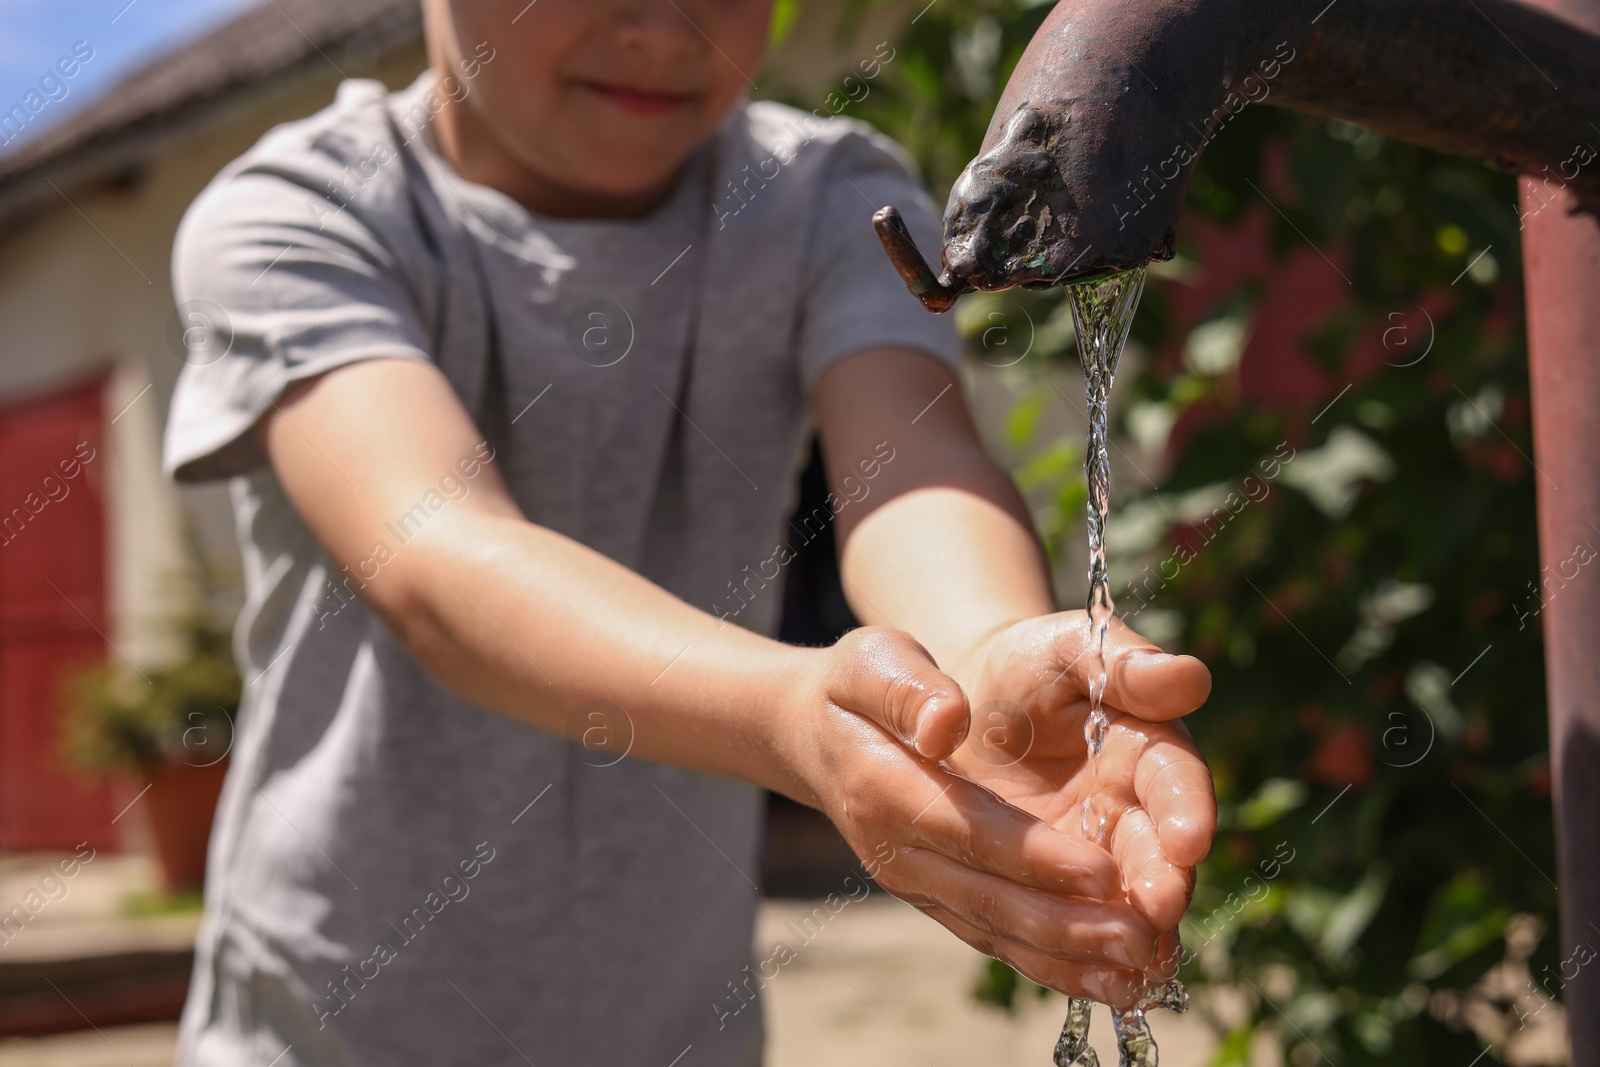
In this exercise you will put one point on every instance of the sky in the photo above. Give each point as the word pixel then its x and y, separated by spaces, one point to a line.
pixel 35 34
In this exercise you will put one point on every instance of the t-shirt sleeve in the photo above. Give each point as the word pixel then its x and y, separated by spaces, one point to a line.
pixel 854 297
pixel 274 284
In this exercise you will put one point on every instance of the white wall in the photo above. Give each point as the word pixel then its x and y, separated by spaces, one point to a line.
pixel 86 286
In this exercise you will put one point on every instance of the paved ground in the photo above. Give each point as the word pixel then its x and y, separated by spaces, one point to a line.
pixel 150 1045
pixel 875 985
pixel 883 986
pixel 95 891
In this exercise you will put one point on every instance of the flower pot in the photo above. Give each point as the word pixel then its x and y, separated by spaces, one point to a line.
pixel 179 806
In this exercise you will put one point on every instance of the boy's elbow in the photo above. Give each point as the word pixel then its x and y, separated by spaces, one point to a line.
pixel 423 596
pixel 404 594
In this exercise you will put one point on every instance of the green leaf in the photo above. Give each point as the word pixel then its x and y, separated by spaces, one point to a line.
pixel 784 14
pixel 999 985
pixel 1348 918
pixel 1023 422
pixel 1275 798
pixel 1049 466
pixel 1234 1049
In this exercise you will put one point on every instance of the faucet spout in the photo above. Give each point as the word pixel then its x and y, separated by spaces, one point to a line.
pixel 937 292
pixel 1085 165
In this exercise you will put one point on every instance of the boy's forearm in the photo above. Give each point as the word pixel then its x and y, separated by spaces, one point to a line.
pixel 531 624
pixel 950 561
pixel 936 540
pixel 520 619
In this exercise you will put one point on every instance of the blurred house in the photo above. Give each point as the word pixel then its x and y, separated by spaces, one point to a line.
pixel 98 553
pixel 96 549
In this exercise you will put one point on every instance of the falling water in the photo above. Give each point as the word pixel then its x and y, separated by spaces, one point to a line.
pixel 1102 311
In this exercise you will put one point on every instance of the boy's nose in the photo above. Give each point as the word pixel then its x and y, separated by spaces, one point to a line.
pixel 659 25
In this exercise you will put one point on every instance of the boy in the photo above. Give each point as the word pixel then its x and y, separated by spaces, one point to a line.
pixel 516 371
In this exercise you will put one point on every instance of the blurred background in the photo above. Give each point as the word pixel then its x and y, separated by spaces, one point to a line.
pixel 1322 486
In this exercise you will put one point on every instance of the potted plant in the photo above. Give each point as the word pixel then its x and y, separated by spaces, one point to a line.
pixel 168 728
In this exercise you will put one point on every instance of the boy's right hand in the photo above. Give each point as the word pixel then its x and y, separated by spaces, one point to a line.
pixel 1004 881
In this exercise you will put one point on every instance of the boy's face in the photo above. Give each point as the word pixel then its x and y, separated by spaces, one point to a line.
pixel 604 99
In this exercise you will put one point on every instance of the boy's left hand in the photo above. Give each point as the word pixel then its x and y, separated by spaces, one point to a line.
pixel 1027 685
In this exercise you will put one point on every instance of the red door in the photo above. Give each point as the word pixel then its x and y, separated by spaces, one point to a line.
pixel 52 611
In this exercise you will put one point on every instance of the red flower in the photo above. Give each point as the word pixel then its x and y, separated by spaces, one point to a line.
pixel 1343 757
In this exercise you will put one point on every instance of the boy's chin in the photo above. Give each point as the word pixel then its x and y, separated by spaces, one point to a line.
pixel 613 179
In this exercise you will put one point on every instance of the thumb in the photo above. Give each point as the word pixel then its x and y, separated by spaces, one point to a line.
pixel 1141 679
pixel 888 678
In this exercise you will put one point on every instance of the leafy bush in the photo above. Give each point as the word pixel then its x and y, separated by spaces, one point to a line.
pixel 121 720
pixel 1377 728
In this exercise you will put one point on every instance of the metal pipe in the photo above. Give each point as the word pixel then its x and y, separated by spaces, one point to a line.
pixel 1561 273
pixel 1084 167
pixel 1562 276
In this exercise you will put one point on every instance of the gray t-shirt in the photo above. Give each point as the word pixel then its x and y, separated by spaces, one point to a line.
pixel 398 876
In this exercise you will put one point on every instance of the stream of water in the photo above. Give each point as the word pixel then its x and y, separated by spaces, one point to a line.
pixel 1102 311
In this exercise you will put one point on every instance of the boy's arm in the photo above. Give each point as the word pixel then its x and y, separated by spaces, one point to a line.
pixel 940 544
pixel 940 541
pixel 524 621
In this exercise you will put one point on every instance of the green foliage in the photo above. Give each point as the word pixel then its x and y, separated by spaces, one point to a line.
pixel 121 720
pixel 157 905
pixel 784 13
pixel 1000 986
pixel 1364 619
pixel 1344 630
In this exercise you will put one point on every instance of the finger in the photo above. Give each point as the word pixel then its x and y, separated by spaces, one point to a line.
pixel 1169 959
pixel 1174 786
pixel 1116 986
pixel 1141 679
pixel 1061 927
pixel 1004 733
pixel 1149 683
pixel 1158 888
pixel 889 679
pixel 970 825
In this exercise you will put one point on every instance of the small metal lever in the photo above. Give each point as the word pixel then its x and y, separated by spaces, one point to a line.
pixel 935 294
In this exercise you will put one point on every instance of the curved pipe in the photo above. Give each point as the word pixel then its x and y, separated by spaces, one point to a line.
pixel 1085 165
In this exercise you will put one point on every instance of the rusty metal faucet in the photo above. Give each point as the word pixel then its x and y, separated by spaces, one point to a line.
pixel 1085 164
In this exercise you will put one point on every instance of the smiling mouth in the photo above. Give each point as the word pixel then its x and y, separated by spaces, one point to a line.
pixel 637 100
